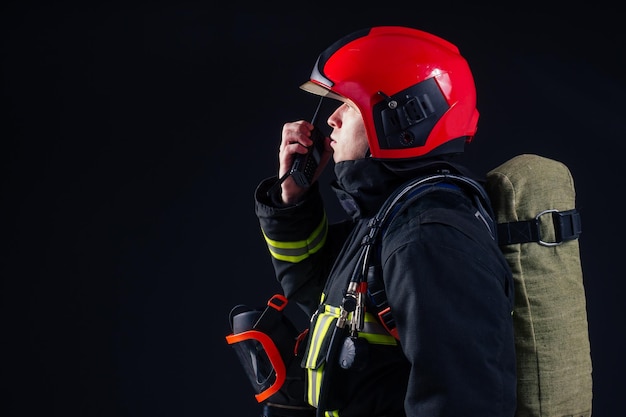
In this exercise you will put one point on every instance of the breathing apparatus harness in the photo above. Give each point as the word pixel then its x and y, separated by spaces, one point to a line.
pixel 268 344
pixel 367 276
pixel 348 349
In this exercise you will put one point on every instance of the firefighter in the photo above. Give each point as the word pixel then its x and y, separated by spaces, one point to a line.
pixel 406 108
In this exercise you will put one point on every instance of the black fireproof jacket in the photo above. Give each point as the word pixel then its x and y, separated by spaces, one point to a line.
pixel 448 285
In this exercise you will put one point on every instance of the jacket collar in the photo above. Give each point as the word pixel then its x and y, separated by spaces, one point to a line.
pixel 363 185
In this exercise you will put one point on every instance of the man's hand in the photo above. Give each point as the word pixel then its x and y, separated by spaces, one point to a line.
pixel 296 139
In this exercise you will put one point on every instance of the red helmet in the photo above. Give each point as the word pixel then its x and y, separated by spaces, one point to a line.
pixel 414 90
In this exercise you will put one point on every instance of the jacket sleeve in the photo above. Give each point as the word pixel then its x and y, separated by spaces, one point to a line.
pixel 451 297
pixel 296 238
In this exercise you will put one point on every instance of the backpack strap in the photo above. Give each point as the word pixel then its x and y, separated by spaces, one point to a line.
pixel 394 205
pixel 566 227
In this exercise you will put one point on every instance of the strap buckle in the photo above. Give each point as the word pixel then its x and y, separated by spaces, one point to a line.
pixel 566 226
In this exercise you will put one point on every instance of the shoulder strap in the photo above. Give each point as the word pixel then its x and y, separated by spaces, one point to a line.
pixel 420 186
pixel 395 204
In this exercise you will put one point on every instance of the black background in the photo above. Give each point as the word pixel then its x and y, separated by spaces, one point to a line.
pixel 134 136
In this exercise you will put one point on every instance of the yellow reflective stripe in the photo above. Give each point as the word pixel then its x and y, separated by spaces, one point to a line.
pixel 322 298
pixel 313 390
pixel 320 331
pixel 332 310
pixel 374 332
pixel 324 325
pixel 298 250
pixel 378 339
pixel 314 383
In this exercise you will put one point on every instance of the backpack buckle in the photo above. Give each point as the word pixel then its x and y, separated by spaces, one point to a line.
pixel 566 224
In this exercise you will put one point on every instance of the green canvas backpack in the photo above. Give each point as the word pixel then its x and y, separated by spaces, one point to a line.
pixel 533 199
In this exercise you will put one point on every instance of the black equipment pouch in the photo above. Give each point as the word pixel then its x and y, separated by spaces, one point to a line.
pixel 266 343
pixel 321 359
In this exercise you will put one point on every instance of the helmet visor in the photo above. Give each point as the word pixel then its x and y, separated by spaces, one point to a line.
pixel 317 89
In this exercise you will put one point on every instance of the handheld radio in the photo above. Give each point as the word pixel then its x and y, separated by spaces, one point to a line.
pixel 304 165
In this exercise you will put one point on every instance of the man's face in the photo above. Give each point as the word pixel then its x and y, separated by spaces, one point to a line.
pixel 348 138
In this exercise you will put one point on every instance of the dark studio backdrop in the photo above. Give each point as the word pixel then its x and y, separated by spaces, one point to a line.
pixel 133 139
